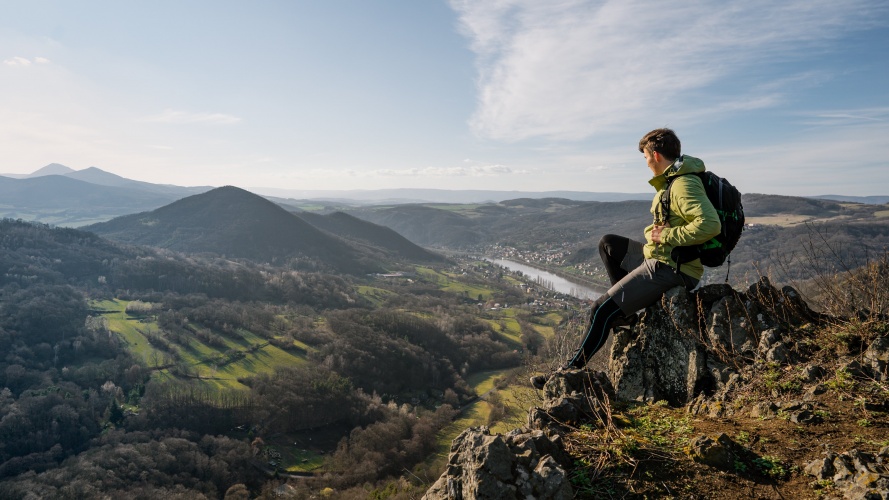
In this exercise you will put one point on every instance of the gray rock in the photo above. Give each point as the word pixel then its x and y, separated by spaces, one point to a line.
pixel 855 369
pixel 778 353
pixel 876 358
pixel 720 452
pixel 855 474
pixel 486 466
pixel 572 396
pixel 767 339
pixel 729 328
pixel 764 410
pixel 665 361
pixel 804 417
pixel 822 468
pixel 812 373
pixel 525 463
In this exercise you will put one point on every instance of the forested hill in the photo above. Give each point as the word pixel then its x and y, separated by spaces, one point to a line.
pixel 367 233
pixel 564 234
pixel 235 223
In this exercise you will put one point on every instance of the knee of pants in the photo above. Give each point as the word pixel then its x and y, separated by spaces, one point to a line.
pixel 596 305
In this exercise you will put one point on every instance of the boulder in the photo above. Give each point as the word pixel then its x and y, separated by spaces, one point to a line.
pixel 519 465
pixel 721 452
pixel 530 462
pixel 854 474
pixel 692 344
pixel 876 358
pixel 662 358
pixel 570 397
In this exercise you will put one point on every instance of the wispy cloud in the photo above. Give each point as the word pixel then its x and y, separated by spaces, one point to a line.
pixel 24 61
pixel 847 116
pixel 172 116
pixel 459 171
pixel 567 69
pixel 478 170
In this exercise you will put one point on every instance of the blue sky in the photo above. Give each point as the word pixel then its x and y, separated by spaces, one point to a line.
pixel 780 97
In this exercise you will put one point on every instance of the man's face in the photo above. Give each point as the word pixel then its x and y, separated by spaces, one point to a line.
pixel 651 161
pixel 656 162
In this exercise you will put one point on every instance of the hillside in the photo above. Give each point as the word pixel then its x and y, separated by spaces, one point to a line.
pixel 562 235
pixel 234 223
pixel 63 193
pixel 369 235
pixel 98 176
pixel 176 364
pixel 58 195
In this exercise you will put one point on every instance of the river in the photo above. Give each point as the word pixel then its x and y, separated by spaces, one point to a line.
pixel 550 280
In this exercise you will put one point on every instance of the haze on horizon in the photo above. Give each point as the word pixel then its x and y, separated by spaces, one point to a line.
pixel 780 98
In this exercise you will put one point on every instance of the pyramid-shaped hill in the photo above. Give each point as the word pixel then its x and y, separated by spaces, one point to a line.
pixel 235 223
pixel 367 233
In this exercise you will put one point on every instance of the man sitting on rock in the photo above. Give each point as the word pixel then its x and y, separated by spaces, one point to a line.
pixel 641 273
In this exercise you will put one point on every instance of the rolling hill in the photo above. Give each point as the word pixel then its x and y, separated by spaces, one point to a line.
pixel 60 192
pixel 235 223
pixel 366 233
pixel 57 195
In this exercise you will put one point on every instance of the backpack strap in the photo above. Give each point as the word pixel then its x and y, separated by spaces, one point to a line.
pixel 662 213
pixel 662 216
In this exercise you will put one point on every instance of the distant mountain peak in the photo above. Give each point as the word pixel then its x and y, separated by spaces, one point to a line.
pixel 98 176
pixel 52 169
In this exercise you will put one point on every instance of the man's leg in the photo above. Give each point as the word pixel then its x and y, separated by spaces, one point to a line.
pixel 603 314
pixel 620 255
pixel 637 290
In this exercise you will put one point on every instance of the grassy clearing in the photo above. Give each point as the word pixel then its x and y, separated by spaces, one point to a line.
pixel 881 213
pixel 508 328
pixel 516 399
pixel 483 382
pixel 130 329
pixel 244 355
pixel 546 331
pixel 468 210
pixel 376 296
pixel 474 415
pixel 452 284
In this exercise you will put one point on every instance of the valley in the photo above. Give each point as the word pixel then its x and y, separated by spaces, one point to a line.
pixel 345 345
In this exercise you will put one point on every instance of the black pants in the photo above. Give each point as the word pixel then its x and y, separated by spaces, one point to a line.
pixel 612 250
pixel 636 283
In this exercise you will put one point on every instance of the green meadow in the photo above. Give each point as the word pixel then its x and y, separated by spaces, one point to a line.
pixel 451 283
pixel 242 355
pixel 478 413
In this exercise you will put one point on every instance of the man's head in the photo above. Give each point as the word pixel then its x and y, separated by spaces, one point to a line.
pixel 660 147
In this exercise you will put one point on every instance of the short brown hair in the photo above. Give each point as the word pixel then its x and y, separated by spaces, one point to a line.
pixel 662 140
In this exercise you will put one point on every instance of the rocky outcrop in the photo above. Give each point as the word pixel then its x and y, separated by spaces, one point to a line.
pixel 854 474
pixel 530 462
pixel 521 464
pixel 693 350
pixel 699 343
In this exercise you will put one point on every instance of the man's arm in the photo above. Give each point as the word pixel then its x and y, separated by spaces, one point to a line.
pixel 690 200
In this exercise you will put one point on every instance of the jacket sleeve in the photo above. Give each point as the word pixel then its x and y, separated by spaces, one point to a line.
pixel 688 200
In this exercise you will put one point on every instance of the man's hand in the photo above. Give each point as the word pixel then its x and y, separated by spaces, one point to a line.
pixel 656 233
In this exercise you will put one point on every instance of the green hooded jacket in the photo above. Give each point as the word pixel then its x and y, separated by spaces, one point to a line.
pixel 693 219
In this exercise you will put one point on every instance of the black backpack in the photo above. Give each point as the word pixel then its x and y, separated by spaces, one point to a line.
pixel 726 199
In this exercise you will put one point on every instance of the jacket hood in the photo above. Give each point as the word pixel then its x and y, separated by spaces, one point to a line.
pixel 683 165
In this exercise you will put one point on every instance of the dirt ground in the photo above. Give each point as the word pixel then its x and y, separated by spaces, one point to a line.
pixel 658 463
